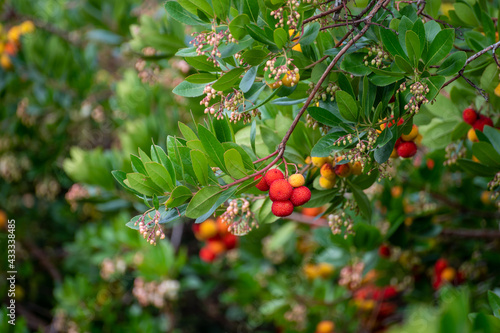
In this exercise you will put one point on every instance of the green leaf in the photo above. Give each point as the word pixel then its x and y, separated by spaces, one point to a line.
pixel 194 6
pixel 248 79
pixel 353 63
pixel 253 133
pixel 466 14
pixel 175 158
pixel 254 57
pixel 280 37
pixel 159 175
pixel 237 26
pixel 345 84
pixel 212 146
pixel 366 237
pixel 347 106
pixel 234 164
pixel 200 166
pixel 202 63
pixel 419 29
pixel 156 203
pixel 325 146
pixel 142 184
pixel 188 89
pixel 251 8
pixel 432 28
pixel 138 165
pixel 221 8
pixel 227 80
pixel 391 43
pixel 364 180
pixel 493 134
pixel 459 131
pixel 179 195
pixel 486 154
pixel 434 83
pixel 403 65
pixel 203 201
pixel 413 47
pixel 259 35
pixel 187 132
pixel 476 169
pixel 120 177
pixel 383 153
pixel 489 79
pixel 167 163
pixel 362 202
pixel 144 157
pixel 247 161
pixel 222 130
pixel 202 78
pixel 282 236
pixel 494 301
pixel 175 10
pixel 382 81
pixel 440 47
pixel 310 33
pixel 320 198
pixel 223 198
pixel 452 64
pixel 324 116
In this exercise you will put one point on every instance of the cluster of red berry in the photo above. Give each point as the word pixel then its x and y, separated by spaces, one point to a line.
pixel 477 121
pixel 285 193
pixel 369 297
pixel 218 238
pixel 406 145
pixel 444 273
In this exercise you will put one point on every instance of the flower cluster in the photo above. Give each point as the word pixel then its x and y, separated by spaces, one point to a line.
pixel 149 74
pixel 298 315
pixel 290 8
pixel 152 229
pixel 154 293
pixel 337 221
pixel 360 153
pixel 239 217
pixel 495 182
pixel 109 267
pixel 275 71
pixel 207 43
pixel 47 188
pixel 352 276
pixel 75 193
pixel 12 166
pixel 453 152
pixel 418 90
pixel 379 55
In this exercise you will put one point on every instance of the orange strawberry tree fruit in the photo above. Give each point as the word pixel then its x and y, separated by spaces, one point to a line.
pixel 387 79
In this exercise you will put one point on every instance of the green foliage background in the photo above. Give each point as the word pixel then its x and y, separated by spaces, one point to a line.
pixel 84 111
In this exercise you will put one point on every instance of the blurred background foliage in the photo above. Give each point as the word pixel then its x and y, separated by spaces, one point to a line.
pixel 84 91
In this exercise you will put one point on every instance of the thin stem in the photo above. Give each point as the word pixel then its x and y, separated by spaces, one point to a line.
pixel 330 11
pixel 265 158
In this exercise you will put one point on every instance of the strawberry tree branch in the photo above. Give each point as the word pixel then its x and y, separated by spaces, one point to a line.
pixel 281 147
pixel 469 60
pixel 330 11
